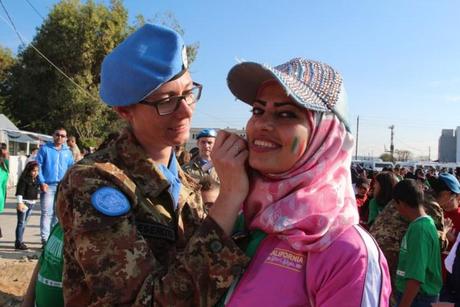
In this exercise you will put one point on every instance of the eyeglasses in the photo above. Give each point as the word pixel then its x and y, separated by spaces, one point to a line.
pixel 60 135
pixel 169 105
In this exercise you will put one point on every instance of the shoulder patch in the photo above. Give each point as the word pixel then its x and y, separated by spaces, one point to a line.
pixel 110 201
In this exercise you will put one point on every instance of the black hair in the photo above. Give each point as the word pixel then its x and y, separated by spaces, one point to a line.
pixel 408 192
pixel 387 181
pixel 361 182
pixel 28 169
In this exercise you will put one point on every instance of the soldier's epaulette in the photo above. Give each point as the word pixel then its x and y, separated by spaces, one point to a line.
pixel 156 230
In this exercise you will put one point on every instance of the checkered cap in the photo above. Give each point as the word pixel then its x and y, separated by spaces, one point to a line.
pixel 313 85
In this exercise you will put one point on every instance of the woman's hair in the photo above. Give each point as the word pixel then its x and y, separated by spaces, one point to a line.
pixel 387 181
pixel 3 146
pixel 28 169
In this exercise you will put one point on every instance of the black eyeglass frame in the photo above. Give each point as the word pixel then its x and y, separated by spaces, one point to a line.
pixel 178 99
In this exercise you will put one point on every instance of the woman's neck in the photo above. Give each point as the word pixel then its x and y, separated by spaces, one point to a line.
pixel 160 156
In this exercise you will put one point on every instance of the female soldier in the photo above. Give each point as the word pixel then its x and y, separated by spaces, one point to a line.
pixel 135 232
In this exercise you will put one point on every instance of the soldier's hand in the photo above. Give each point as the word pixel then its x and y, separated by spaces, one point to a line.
pixel 229 156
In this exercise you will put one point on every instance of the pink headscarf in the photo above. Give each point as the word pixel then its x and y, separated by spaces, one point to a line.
pixel 311 204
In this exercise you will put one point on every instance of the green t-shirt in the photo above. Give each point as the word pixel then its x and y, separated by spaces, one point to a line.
pixel 374 211
pixel 48 289
pixel 420 257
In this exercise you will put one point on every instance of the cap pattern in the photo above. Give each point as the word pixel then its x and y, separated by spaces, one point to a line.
pixel 316 84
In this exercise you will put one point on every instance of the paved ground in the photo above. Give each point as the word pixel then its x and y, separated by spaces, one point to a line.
pixel 16 266
pixel 8 222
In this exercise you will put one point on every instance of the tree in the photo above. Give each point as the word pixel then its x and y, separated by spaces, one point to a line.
pixel 169 19
pixel 76 37
pixel 386 157
pixel 7 61
pixel 403 155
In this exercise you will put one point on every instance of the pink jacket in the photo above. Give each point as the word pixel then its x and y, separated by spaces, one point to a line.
pixel 352 271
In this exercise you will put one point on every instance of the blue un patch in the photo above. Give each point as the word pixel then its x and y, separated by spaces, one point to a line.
pixel 110 201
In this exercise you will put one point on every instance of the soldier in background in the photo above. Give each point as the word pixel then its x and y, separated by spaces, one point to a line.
pixel 201 165
pixel 135 230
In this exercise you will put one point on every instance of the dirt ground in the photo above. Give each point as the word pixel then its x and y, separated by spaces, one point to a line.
pixel 14 279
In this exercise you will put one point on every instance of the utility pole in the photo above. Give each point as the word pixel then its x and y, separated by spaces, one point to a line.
pixel 429 153
pixel 357 137
pixel 392 147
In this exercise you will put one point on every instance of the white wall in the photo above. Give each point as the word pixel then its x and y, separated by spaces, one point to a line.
pixel 17 164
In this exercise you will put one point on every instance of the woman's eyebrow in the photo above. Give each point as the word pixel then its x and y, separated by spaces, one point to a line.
pixel 277 104
pixel 260 101
pixel 174 93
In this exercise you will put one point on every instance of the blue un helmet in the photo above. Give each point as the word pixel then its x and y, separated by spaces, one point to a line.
pixel 207 133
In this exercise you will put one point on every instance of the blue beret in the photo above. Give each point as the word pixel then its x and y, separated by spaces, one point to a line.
pixel 451 182
pixel 145 60
pixel 207 133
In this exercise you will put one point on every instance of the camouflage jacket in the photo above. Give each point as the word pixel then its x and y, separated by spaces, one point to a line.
pixel 389 228
pixel 194 169
pixel 153 254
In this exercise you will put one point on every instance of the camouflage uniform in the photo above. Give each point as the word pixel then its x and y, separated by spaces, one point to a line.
pixel 389 228
pixel 151 255
pixel 194 169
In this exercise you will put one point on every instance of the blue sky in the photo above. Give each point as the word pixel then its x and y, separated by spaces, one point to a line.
pixel 400 59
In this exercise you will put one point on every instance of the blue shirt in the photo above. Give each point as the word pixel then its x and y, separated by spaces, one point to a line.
pixel 53 163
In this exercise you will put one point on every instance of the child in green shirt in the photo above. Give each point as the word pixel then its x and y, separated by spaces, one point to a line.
pixel 418 277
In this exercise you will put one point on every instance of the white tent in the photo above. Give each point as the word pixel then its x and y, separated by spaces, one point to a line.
pixel 20 143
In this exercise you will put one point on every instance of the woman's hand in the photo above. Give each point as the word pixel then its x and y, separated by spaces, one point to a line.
pixel 229 156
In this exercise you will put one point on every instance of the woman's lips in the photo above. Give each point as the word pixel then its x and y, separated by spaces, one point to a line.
pixel 259 145
pixel 180 128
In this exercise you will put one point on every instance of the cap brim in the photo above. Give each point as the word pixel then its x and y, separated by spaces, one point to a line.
pixel 245 79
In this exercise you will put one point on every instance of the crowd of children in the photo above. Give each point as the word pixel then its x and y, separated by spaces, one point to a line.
pixel 415 217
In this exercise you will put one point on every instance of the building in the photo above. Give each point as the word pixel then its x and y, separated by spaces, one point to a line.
pixel 449 146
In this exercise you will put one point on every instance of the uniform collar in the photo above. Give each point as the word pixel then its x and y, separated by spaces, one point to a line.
pixel 134 157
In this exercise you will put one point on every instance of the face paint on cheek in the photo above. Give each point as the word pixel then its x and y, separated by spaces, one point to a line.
pixel 295 144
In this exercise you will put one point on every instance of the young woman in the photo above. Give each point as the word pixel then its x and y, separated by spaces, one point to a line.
pixel 306 246
pixel 383 189
pixel 27 195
